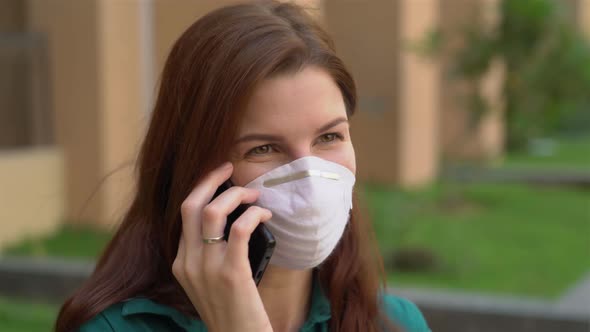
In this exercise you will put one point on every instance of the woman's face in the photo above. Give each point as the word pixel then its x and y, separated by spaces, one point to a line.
pixel 290 117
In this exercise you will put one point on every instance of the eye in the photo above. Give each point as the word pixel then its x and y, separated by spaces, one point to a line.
pixel 260 150
pixel 327 138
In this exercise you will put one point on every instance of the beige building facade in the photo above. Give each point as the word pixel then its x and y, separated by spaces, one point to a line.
pixel 103 58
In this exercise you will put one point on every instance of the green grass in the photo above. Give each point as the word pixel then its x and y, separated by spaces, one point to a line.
pixel 69 241
pixel 19 316
pixel 77 242
pixel 569 153
pixel 499 238
pixel 496 238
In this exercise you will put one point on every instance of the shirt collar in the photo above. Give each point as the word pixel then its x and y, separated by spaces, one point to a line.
pixel 141 305
pixel 319 311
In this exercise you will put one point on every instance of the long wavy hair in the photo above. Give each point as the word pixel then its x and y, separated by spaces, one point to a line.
pixel 208 77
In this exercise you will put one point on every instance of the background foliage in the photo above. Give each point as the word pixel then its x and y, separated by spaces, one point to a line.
pixel 547 63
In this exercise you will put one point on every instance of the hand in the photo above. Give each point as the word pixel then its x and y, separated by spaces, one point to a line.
pixel 217 276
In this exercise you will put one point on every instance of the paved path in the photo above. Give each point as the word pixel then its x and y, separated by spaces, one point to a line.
pixel 480 302
pixel 577 297
pixel 575 301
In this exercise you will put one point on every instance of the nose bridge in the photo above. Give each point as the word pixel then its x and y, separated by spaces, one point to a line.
pixel 300 150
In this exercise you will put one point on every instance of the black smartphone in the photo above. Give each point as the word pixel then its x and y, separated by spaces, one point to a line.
pixel 261 244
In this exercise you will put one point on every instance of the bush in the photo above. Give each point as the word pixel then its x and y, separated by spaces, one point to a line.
pixel 547 64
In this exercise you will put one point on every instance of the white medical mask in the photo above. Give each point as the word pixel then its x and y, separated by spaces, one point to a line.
pixel 310 200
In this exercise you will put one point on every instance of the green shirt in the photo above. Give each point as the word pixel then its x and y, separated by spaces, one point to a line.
pixel 141 314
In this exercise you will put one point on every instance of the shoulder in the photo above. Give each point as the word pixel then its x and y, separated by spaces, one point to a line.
pixel 140 314
pixel 104 321
pixel 404 313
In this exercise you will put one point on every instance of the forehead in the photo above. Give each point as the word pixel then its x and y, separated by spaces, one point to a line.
pixel 304 98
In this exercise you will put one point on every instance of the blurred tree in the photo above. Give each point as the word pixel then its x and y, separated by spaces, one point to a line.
pixel 547 61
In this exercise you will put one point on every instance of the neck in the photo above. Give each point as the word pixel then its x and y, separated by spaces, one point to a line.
pixel 286 297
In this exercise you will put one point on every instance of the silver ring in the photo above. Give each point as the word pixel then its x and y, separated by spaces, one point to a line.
pixel 211 240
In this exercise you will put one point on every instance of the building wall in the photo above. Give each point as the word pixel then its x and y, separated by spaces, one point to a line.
pixel 98 72
pixel 396 128
pixel 122 117
pixel 31 193
pixel 95 79
pixel 583 17
pixel 419 108
pixel 25 116
pixel 71 28
pixel 372 57
pixel 13 84
pixel 31 172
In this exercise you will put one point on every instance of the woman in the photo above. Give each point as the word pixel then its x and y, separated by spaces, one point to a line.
pixel 250 93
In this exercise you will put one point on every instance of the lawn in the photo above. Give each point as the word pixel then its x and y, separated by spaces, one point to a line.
pixel 564 153
pixel 497 238
pixel 79 242
pixel 69 241
pixel 494 238
pixel 23 316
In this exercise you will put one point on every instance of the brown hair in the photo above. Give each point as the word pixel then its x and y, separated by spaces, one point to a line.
pixel 211 71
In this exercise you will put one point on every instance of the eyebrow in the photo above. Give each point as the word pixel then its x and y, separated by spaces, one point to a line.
pixel 258 137
pixel 332 124
pixel 274 138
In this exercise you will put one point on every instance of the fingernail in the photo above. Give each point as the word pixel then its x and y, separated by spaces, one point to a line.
pixel 226 165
